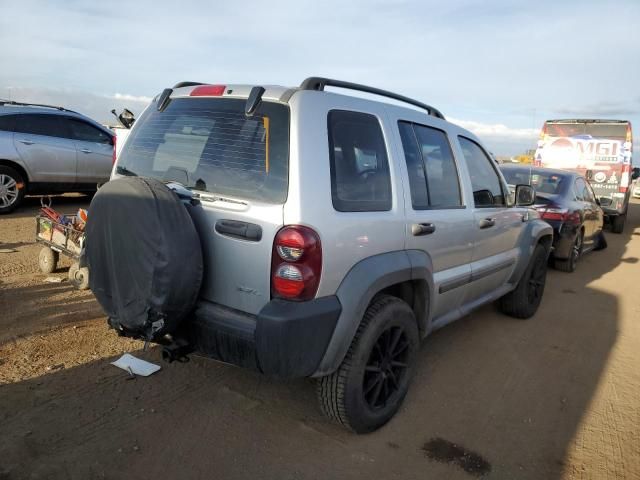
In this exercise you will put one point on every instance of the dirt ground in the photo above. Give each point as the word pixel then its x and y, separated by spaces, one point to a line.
pixel 557 396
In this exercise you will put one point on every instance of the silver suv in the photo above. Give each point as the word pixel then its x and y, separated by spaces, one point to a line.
pixel 46 149
pixel 337 232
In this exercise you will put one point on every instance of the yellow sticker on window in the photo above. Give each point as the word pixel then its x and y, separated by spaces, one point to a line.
pixel 265 122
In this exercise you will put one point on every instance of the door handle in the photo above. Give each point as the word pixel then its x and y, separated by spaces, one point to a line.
pixel 419 229
pixel 487 223
pixel 26 142
pixel 85 150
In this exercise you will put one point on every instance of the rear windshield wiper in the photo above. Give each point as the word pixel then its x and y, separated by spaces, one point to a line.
pixel 125 171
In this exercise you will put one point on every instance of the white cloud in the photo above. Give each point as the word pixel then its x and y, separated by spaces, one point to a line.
pixel 125 97
pixel 496 129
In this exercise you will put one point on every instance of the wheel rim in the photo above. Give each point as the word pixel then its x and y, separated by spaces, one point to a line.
pixel 8 190
pixel 386 368
pixel 536 281
pixel 577 247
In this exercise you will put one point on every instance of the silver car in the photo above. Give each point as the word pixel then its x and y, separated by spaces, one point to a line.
pixel 46 149
pixel 337 233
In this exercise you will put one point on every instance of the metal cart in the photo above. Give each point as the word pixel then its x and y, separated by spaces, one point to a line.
pixel 60 237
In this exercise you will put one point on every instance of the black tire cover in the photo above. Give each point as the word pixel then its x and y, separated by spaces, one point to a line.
pixel 144 255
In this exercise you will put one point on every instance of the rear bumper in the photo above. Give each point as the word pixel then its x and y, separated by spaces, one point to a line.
pixel 285 340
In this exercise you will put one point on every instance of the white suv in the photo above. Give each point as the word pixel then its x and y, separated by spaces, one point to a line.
pixel 304 233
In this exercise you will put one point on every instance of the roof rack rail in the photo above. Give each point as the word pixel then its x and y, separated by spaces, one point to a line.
pixel 26 104
pixel 319 83
pixel 187 84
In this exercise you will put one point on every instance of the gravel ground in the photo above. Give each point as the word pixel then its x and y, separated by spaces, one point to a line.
pixel 557 396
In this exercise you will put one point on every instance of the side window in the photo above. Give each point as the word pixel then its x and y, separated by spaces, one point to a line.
pixel 580 188
pixel 487 188
pixel 415 167
pixel 42 124
pixel 360 180
pixel 87 133
pixel 442 175
pixel 6 122
pixel 433 177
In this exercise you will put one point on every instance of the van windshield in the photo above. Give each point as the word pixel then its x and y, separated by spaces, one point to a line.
pixel 210 145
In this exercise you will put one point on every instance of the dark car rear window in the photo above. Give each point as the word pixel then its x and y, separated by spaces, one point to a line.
pixel 550 183
pixel 209 144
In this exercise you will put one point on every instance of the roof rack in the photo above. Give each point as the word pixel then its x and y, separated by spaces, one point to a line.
pixel 319 83
pixel 25 104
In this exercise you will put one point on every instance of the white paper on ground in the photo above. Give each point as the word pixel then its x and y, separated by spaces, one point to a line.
pixel 134 365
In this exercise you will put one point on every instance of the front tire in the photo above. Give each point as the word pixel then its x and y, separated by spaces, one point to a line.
pixel 48 260
pixel 12 189
pixel 523 302
pixel 369 386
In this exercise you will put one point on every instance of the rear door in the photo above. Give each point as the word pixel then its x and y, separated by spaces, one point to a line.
pixel 589 208
pixel 239 167
pixel 437 220
pixel 497 227
pixel 94 152
pixel 44 144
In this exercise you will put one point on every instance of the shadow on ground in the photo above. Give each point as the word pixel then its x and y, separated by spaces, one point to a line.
pixel 512 391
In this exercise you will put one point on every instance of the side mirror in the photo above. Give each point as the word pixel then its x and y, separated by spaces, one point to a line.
pixel 525 195
pixel 635 173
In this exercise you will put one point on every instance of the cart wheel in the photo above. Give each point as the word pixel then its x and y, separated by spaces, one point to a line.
pixel 48 260
pixel 79 276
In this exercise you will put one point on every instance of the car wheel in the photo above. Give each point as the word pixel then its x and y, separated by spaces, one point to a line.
pixel 12 189
pixel 79 276
pixel 373 379
pixel 48 260
pixel 601 241
pixel 617 223
pixel 569 265
pixel 523 302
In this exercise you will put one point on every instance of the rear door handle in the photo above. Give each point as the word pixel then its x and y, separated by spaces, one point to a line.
pixel 26 142
pixel 487 223
pixel 85 150
pixel 419 229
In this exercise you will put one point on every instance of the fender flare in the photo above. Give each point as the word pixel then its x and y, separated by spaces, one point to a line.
pixel 365 279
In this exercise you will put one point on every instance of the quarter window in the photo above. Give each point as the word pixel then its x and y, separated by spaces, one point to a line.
pixel 6 122
pixel 35 124
pixel 360 178
pixel 433 177
pixel 486 184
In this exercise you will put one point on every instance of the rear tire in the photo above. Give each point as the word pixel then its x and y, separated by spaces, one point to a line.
pixel 79 276
pixel 48 260
pixel 369 386
pixel 617 223
pixel 569 265
pixel 523 302
pixel 12 189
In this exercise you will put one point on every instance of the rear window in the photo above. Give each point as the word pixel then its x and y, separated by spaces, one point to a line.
pixel 543 182
pixel 210 145
pixel 616 131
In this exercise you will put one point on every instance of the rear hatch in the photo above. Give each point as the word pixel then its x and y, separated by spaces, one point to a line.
pixel 598 149
pixel 237 166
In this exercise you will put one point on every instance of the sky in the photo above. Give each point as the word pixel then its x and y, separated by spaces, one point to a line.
pixel 498 68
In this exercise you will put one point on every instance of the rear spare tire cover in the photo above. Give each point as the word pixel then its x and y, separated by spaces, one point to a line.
pixel 144 255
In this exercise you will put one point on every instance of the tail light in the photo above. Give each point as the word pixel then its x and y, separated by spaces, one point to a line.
pixel 208 91
pixel 113 157
pixel 624 178
pixel 559 214
pixel 296 263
